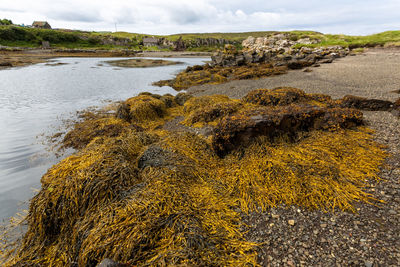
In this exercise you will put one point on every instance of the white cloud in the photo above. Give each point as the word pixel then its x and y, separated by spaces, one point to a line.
pixel 175 16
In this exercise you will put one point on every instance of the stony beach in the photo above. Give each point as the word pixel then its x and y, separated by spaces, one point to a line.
pixel 294 236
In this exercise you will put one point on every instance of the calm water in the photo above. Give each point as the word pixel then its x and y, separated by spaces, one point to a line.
pixel 34 99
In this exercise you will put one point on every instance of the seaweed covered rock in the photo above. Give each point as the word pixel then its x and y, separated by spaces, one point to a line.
pixel 155 156
pixel 181 98
pixel 78 186
pixel 280 96
pixel 240 129
pixel 143 107
pixel 84 132
pixel 362 103
pixel 217 74
pixel 207 109
pixel 160 197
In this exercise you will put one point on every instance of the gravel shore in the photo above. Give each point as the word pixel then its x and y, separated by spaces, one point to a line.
pixel 293 236
pixel 374 74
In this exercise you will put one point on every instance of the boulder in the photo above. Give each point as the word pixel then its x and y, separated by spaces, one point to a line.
pixel 110 263
pixel 181 98
pixel 6 64
pixel 287 121
pixel 155 156
pixel 396 108
pixel 362 103
pixel 280 96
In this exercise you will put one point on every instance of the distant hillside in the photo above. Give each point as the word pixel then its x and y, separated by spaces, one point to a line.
pixel 15 36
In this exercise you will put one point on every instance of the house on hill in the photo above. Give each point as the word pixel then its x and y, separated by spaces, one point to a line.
pixel 41 25
pixel 151 41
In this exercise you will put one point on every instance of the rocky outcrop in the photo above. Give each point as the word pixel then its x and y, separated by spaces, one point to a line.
pixel 180 44
pixel 279 50
pixel 281 112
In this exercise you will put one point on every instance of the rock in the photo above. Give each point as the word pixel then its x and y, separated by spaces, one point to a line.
pixel 5 64
pixel 280 96
pixel 45 45
pixel 240 129
pixel 155 156
pixel 110 263
pixel 181 98
pixel 326 61
pixel 362 103
pixel 249 41
pixel 123 112
pixel 279 50
pixel 240 60
pixel 299 64
pixel 291 222
pixel 169 100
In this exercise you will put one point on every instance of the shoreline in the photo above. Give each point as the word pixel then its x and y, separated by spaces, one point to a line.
pixel 21 58
pixel 360 75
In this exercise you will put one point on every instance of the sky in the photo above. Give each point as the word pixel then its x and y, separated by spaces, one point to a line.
pixel 355 17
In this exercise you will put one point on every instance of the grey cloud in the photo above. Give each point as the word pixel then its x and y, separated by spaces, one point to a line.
pixel 74 16
pixel 163 17
pixel 8 9
pixel 185 16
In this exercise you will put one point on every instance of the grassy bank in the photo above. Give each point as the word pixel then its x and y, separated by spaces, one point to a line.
pixel 29 37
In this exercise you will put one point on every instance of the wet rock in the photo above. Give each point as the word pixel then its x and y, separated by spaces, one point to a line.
pixel 123 112
pixel 240 129
pixel 5 64
pixel 181 98
pixel 299 64
pixel 155 156
pixel 169 100
pixel 362 103
pixel 326 61
pixel 279 96
pixel 110 263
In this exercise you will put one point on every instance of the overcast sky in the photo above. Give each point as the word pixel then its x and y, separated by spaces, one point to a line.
pixel 179 16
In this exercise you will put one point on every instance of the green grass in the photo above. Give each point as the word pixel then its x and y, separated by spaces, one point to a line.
pixel 28 37
pixel 357 41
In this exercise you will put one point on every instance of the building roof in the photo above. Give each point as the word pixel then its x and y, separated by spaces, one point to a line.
pixel 40 23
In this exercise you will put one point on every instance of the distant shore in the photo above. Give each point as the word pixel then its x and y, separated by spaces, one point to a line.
pixel 21 57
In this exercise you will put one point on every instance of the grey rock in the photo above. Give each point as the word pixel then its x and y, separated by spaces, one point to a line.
pixel 110 263
pixel 155 156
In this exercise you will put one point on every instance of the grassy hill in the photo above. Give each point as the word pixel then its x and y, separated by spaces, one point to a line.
pixel 30 37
